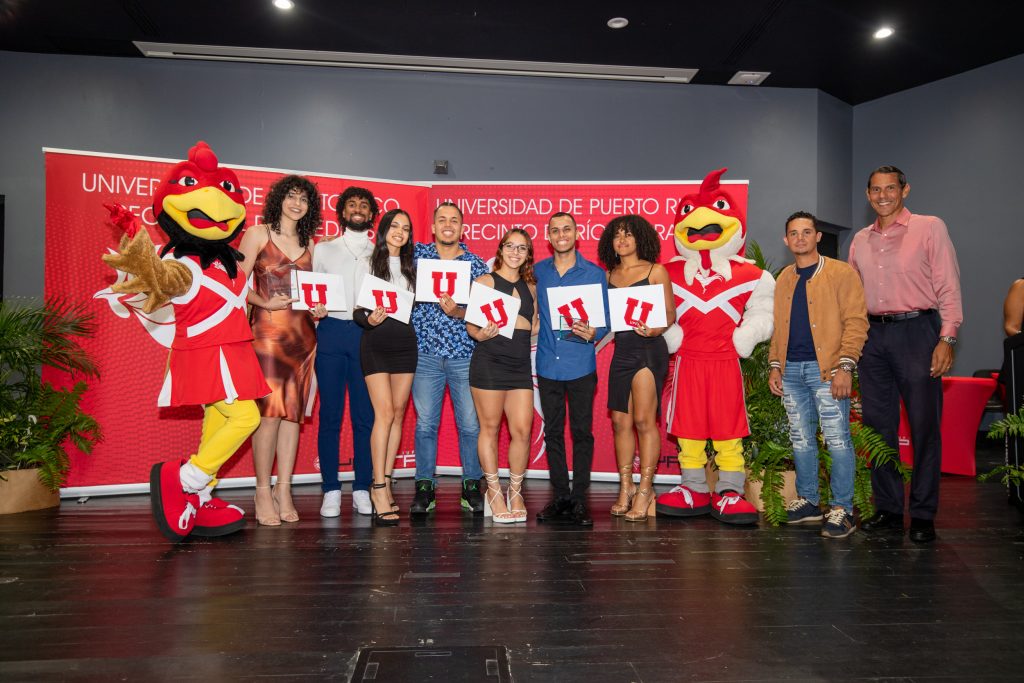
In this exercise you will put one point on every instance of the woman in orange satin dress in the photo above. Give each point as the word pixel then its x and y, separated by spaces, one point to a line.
pixel 284 339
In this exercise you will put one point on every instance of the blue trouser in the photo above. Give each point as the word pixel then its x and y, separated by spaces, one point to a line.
pixel 807 399
pixel 338 368
pixel 897 364
pixel 432 374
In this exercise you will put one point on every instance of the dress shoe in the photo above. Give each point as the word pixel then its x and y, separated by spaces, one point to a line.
pixel 559 508
pixel 580 516
pixel 883 521
pixel 922 530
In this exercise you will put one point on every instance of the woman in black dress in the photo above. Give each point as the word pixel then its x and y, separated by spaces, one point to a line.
pixel 501 377
pixel 629 248
pixel 388 355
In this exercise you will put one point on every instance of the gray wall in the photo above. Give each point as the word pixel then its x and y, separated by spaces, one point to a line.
pixel 393 125
pixel 960 141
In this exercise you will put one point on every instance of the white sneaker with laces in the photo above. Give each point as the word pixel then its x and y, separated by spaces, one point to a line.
pixel 361 502
pixel 332 504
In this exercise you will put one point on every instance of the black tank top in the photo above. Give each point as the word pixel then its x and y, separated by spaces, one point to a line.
pixel 525 296
pixel 639 283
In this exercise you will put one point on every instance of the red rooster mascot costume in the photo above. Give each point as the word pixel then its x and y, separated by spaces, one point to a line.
pixel 723 310
pixel 211 363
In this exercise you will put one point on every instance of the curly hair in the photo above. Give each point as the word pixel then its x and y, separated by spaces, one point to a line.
pixel 379 259
pixel 648 244
pixel 308 224
pixel 361 193
pixel 526 268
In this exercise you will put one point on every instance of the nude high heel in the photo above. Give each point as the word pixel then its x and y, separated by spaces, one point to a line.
pixel 264 519
pixel 290 516
pixel 644 501
pixel 626 487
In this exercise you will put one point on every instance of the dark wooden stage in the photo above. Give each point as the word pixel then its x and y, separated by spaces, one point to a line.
pixel 93 592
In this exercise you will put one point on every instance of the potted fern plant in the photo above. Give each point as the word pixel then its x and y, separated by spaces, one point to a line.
pixel 1011 426
pixel 39 421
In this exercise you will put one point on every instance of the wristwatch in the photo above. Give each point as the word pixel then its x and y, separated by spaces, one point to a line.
pixel 949 340
pixel 848 365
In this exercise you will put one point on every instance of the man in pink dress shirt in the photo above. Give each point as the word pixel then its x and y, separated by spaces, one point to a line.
pixel 912 288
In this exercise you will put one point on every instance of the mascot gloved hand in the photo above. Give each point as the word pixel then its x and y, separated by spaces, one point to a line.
pixel 723 310
pixel 200 207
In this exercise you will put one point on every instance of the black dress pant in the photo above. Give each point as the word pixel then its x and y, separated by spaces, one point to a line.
pixel 580 395
pixel 896 364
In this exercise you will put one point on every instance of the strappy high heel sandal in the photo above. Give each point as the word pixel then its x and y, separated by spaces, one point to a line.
pixel 263 519
pixel 626 488
pixel 491 494
pixel 290 516
pixel 644 501
pixel 386 518
pixel 390 482
pixel 515 490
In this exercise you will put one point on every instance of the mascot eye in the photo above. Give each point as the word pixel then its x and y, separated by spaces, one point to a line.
pixel 187 181
pixel 229 186
pixel 721 204
pixel 687 208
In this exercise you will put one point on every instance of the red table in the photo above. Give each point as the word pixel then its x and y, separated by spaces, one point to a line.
pixel 963 403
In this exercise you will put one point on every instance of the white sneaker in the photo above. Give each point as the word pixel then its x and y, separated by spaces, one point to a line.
pixel 361 502
pixel 332 504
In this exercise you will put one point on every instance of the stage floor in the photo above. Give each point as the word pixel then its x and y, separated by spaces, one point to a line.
pixel 93 592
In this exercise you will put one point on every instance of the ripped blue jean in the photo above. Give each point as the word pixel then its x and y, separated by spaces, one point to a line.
pixel 807 398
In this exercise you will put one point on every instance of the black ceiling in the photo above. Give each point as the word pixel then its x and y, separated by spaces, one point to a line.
pixel 803 43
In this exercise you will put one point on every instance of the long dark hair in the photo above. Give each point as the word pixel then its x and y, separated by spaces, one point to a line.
pixel 648 245
pixel 379 265
pixel 526 269
pixel 309 223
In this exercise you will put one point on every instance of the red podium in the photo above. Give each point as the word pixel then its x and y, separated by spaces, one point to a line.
pixel 963 403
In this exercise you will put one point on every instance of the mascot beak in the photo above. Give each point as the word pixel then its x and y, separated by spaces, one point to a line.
pixel 207 213
pixel 706 229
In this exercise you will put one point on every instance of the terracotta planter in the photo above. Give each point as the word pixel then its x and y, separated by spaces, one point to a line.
pixel 23 491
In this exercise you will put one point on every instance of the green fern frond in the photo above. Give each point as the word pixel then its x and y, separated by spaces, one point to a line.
pixel 1011 425
pixel 871 446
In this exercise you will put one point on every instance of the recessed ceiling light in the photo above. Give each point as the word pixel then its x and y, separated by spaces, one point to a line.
pixel 618 22
pixel 749 77
pixel 284 4
pixel 884 32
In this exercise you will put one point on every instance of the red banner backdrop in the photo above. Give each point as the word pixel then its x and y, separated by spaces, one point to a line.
pixel 490 210
pixel 131 347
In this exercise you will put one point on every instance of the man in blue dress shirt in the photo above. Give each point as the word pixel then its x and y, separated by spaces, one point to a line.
pixel 567 371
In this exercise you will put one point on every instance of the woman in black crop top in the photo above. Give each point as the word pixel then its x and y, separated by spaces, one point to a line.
pixel 629 248
pixel 501 377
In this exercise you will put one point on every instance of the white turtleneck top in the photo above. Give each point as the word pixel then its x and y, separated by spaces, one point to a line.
pixel 349 257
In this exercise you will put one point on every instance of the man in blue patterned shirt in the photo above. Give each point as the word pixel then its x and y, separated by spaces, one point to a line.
pixel 445 349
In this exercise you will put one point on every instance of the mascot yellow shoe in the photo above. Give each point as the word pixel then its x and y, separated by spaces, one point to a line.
pixel 723 310
pixel 200 207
